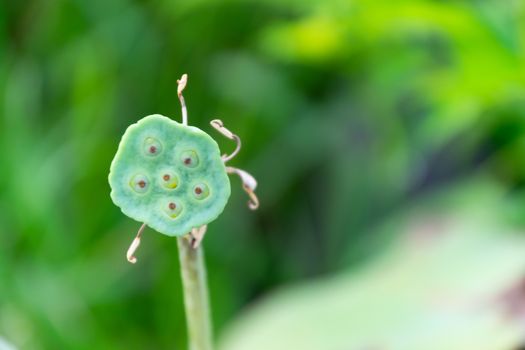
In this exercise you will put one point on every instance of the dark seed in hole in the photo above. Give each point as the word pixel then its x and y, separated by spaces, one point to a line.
pixel 142 183
pixel 172 206
pixel 152 149
pixel 198 190
pixel 187 161
pixel 166 177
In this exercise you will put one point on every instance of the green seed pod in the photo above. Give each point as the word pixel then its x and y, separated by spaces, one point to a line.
pixel 169 176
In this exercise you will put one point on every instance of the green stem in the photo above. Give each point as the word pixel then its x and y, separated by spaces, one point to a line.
pixel 193 273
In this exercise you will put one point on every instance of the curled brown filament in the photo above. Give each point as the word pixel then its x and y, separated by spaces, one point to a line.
pixel 249 184
pixel 135 245
pixel 253 203
pixel 248 181
pixel 196 235
pixel 180 87
pixel 219 126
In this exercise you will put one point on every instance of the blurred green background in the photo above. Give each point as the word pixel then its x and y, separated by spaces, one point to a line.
pixel 351 113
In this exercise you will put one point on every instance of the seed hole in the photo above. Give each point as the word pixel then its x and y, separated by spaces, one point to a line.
pixel 172 208
pixel 201 191
pixel 190 158
pixel 139 183
pixel 170 180
pixel 152 146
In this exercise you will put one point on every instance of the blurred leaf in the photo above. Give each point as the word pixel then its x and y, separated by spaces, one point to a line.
pixel 445 285
pixel 4 345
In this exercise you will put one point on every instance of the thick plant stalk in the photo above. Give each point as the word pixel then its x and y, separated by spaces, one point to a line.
pixel 193 273
pixel 196 302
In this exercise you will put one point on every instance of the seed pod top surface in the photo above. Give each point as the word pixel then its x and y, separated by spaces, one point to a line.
pixel 169 176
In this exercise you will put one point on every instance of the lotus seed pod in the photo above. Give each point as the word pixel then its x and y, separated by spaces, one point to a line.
pixel 169 176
